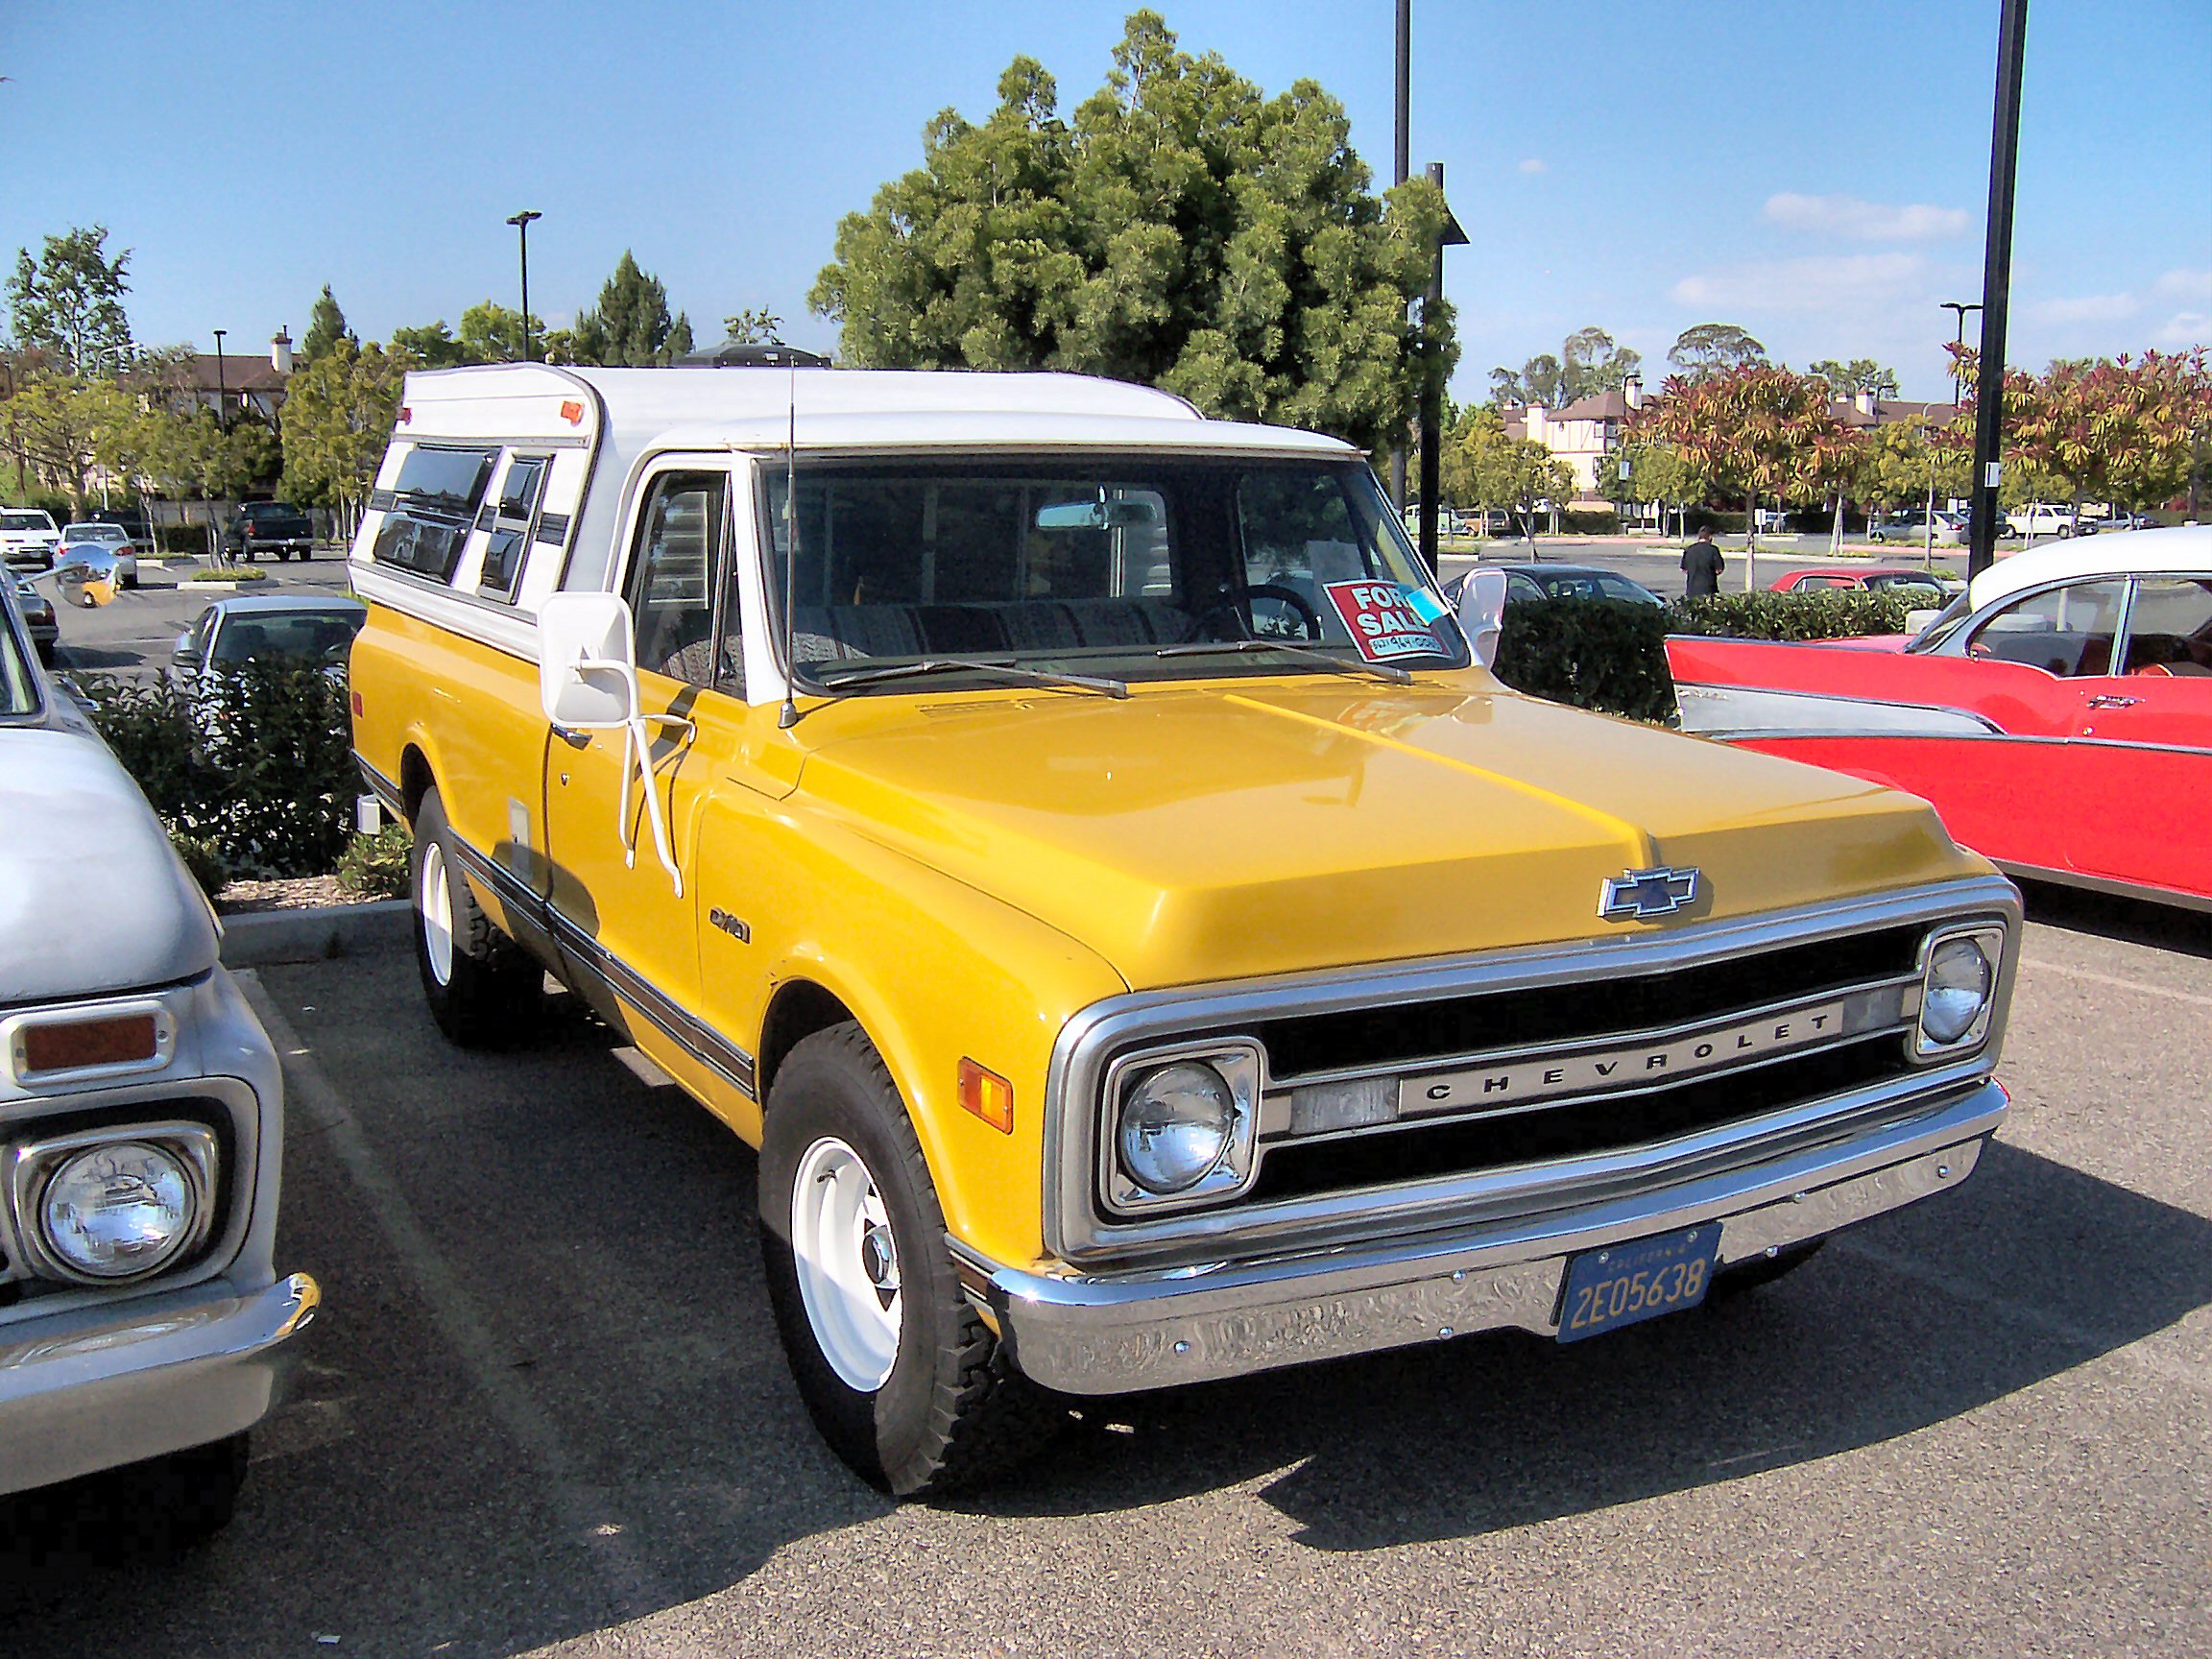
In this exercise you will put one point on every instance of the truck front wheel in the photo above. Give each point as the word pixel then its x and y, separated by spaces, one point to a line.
pixel 483 988
pixel 900 1374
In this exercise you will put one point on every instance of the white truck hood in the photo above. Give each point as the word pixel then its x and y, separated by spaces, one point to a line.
pixel 92 898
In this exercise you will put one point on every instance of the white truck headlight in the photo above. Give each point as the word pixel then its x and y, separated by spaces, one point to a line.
pixel 119 1211
pixel 1182 1126
pixel 107 1206
pixel 1958 989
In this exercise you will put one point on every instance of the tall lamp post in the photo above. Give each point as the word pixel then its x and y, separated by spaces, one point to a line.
pixel 521 223
pixel 222 391
pixel 1960 308
pixel 1996 287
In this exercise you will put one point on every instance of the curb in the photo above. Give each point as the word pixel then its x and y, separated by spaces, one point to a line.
pixel 260 937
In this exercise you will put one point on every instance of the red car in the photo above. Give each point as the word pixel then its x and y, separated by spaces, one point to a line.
pixel 2058 714
pixel 1880 579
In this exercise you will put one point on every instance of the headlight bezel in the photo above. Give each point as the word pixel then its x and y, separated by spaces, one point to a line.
pixel 1991 939
pixel 1241 1063
pixel 34 1165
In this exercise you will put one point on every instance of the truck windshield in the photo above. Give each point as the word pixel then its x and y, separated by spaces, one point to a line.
pixel 1093 567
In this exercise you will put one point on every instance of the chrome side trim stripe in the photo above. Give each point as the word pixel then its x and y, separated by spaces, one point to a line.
pixel 381 786
pixel 697 1039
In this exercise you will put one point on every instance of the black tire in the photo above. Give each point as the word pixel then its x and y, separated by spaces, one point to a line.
pixel 484 990
pixel 47 651
pixel 142 1510
pixel 1762 1271
pixel 951 1411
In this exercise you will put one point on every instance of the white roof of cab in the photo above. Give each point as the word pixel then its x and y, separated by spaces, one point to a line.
pixel 2185 551
pixel 638 410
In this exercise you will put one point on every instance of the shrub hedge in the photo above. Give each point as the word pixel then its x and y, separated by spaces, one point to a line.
pixel 256 762
pixel 1611 656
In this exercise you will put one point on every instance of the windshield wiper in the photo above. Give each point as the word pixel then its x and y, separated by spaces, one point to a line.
pixel 1304 653
pixel 1006 669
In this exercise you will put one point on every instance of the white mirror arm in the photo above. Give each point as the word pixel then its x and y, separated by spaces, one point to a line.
pixel 637 750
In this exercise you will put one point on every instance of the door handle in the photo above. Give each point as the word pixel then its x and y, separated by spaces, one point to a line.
pixel 574 739
pixel 2109 702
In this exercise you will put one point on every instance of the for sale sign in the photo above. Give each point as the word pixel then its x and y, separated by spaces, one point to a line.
pixel 1382 619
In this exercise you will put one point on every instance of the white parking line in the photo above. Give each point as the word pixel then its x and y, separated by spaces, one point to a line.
pixel 588 1514
pixel 2042 965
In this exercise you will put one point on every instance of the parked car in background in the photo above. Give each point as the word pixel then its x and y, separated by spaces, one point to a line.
pixel 1573 581
pixel 271 527
pixel 141 1118
pixel 255 627
pixel 1877 580
pixel 38 620
pixel 27 537
pixel 2040 518
pixel 2059 714
pixel 1911 527
pixel 2111 523
pixel 110 538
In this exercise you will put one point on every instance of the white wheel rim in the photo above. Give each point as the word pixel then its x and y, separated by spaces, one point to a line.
pixel 437 915
pixel 848 1263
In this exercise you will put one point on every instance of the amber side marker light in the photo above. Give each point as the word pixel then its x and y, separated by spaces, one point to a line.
pixel 79 1045
pixel 988 1095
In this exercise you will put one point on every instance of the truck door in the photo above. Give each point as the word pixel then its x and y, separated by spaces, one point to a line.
pixel 628 925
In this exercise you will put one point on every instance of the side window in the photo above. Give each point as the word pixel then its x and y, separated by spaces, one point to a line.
pixel 2170 630
pixel 511 513
pixel 1520 587
pixel 682 538
pixel 434 503
pixel 2063 630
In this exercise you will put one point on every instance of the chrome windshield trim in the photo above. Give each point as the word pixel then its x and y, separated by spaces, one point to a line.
pixel 1087 1043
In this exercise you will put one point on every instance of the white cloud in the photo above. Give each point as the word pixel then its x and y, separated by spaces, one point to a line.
pixel 2187 328
pixel 1534 164
pixel 1803 285
pixel 2184 285
pixel 2086 308
pixel 1857 221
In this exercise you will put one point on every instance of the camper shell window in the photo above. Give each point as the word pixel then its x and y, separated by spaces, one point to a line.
pixel 434 502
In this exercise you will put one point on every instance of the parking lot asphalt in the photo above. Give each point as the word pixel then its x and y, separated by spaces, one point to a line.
pixel 545 1408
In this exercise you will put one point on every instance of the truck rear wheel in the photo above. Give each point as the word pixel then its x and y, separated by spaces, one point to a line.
pixel 900 1374
pixel 483 988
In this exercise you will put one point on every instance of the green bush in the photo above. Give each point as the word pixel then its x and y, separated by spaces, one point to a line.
pixel 374 866
pixel 180 537
pixel 208 867
pixel 257 760
pixel 1590 521
pixel 230 573
pixel 1827 614
pixel 1604 654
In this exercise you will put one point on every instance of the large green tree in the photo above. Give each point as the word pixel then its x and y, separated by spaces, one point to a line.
pixel 1860 374
pixel 338 415
pixel 489 333
pixel 1588 362
pixel 630 326
pixel 1709 348
pixel 325 327
pixel 1182 230
pixel 68 302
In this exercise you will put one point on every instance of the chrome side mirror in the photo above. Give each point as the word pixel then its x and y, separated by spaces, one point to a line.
pixel 82 584
pixel 1483 613
pixel 587 662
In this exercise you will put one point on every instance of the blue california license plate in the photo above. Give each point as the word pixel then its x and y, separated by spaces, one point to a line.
pixel 1639 1279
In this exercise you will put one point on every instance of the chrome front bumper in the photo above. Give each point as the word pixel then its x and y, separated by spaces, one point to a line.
pixel 171 1373
pixel 1117 1334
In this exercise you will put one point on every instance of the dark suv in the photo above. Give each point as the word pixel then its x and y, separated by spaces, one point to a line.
pixel 269 527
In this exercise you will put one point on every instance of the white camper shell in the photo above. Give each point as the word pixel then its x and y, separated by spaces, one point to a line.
pixel 505 484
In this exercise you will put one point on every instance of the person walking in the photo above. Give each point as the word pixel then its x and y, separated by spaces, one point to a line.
pixel 1701 565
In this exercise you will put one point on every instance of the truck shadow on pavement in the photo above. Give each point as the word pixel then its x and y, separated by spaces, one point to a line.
pixel 2029 1271
pixel 2109 916
pixel 546 1397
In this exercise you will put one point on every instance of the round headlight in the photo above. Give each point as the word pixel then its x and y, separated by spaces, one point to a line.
pixel 1959 978
pixel 1175 1125
pixel 118 1211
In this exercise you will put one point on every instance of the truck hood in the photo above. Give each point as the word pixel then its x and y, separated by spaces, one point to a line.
pixel 1192 834
pixel 91 898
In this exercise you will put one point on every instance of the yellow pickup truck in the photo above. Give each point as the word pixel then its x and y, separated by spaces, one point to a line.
pixel 1076 842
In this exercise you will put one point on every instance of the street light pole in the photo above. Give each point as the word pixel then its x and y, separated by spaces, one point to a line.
pixel 1401 167
pixel 1960 308
pixel 222 391
pixel 521 223
pixel 1997 286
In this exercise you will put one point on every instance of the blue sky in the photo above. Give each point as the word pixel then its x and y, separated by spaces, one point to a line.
pixel 1814 173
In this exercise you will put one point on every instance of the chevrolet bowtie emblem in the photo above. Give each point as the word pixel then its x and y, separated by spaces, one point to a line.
pixel 1640 894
